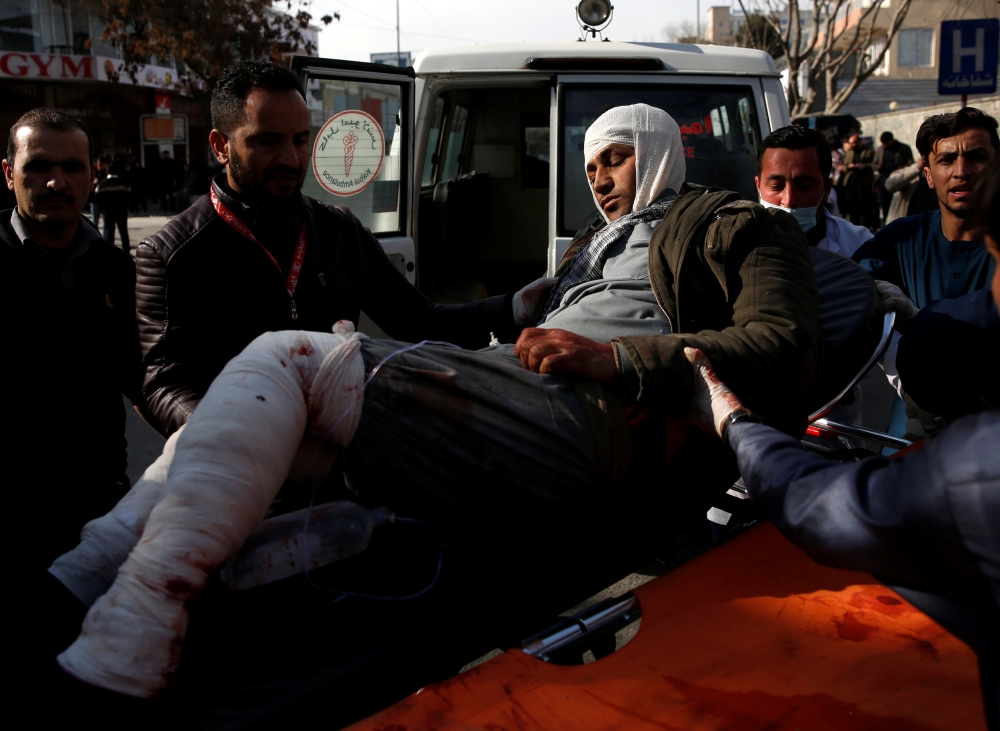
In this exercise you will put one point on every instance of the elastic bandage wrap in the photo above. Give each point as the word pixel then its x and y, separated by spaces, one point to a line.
pixel 90 569
pixel 229 463
pixel 659 149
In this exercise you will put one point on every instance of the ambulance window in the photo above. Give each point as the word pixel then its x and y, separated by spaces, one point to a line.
pixel 456 142
pixel 433 137
pixel 719 136
pixel 357 149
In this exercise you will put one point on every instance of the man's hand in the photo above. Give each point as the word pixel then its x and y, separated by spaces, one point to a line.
pixel 529 301
pixel 895 301
pixel 713 402
pixel 559 351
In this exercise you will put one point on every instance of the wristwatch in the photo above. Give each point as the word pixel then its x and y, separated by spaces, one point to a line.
pixel 736 417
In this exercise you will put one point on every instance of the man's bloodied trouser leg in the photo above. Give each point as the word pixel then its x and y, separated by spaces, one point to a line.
pixel 474 433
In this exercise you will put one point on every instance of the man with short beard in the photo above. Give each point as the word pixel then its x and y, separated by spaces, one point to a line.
pixel 255 255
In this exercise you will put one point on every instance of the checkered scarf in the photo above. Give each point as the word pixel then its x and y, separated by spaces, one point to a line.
pixel 589 263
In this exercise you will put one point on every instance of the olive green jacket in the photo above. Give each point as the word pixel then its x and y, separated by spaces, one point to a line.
pixel 735 280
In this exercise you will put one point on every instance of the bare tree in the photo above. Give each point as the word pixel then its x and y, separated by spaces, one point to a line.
pixel 206 35
pixel 844 38
pixel 756 32
pixel 683 32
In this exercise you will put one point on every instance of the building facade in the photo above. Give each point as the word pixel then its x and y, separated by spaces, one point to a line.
pixel 907 77
pixel 724 22
pixel 719 28
pixel 51 55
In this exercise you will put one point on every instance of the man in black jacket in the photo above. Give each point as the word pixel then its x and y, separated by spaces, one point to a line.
pixel 112 193
pixel 71 340
pixel 256 255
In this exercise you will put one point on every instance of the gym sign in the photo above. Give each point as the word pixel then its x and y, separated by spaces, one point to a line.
pixel 47 66
pixel 348 152
pixel 64 67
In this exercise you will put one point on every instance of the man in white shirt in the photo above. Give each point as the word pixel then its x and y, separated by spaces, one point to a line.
pixel 793 174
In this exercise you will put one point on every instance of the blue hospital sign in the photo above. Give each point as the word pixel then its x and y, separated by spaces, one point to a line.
pixel 968 60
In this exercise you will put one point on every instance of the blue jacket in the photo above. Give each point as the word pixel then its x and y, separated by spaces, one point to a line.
pixel 914 254
pixel 949 353
pixel 929 520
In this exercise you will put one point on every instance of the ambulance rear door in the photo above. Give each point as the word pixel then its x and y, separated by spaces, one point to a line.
pixel 361 120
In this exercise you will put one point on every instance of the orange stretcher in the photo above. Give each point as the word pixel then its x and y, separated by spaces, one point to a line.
pixel 751 635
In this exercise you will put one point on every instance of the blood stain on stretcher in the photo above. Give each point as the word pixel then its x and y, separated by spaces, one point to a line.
pixel 752 635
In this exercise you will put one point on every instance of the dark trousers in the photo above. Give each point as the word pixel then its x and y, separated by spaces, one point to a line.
pixel 884 197
pixel 121 221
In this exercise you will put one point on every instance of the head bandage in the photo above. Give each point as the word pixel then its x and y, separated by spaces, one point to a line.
pixel 659 155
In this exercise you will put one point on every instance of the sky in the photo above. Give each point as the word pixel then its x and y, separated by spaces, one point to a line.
pixel 369 26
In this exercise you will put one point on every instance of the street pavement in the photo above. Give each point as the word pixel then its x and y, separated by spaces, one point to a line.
pixel 139 227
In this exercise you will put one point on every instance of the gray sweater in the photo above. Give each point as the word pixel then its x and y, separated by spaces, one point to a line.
pixel 619 304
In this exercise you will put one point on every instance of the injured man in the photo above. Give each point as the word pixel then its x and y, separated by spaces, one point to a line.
pixel 549 426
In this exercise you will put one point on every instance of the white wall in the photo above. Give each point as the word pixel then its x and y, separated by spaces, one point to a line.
pixel 904 124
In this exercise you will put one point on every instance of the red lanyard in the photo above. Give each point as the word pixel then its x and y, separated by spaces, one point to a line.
pixel 300 249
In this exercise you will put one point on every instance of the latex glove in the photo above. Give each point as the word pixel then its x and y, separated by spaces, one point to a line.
pixel 713 401
pixel 920 423
pixel 529 301
pixel 895 301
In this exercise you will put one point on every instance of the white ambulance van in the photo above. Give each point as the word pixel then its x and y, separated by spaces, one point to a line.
pixel 469 166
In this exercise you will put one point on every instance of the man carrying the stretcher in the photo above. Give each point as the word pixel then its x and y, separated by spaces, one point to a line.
pixel 584 408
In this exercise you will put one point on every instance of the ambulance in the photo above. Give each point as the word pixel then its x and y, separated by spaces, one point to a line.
pixel 468 166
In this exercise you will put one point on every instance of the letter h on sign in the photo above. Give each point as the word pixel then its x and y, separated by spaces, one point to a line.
pixel 967 62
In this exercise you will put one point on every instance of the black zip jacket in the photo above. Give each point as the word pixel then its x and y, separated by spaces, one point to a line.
pixel 204 292
pixel 69 356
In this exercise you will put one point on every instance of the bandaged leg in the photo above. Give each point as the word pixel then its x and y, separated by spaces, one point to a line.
pixel 229 464
pixel 89 570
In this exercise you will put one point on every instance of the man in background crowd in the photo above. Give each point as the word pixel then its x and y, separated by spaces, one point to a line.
pixel 136 176
pixel 856 181
pixel 910 192
pixel 167 181
pixel 112 195
pixel 890 156
pixel 100 170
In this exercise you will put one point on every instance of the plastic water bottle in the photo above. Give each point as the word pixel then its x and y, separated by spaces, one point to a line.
pixel 285 545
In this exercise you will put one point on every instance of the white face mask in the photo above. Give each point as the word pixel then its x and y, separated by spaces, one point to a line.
pixel 805 217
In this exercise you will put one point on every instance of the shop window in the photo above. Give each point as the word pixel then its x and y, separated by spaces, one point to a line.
pixel 17 32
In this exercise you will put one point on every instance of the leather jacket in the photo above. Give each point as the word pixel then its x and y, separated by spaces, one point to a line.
pixel 204 292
